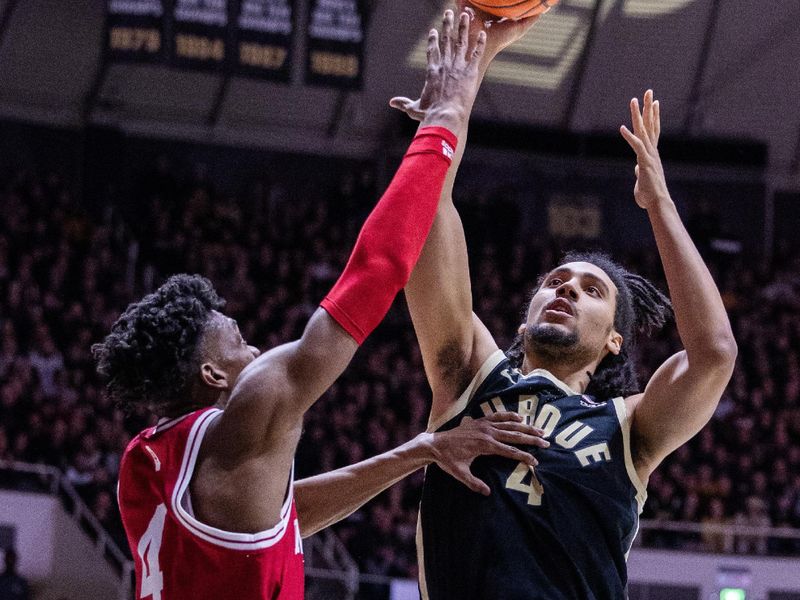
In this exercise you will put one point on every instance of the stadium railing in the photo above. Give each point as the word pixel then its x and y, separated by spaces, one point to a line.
pixel 330 570
pixel 728 529
pixel 50 480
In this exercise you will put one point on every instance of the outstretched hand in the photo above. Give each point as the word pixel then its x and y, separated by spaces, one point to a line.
pixel 454 450
pixel 492 33
pixel 651 185
pixel 452 77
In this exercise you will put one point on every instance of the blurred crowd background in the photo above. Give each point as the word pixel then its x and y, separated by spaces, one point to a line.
pixel 272 247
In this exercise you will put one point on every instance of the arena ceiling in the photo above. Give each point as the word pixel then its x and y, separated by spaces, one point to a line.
pixel 721 68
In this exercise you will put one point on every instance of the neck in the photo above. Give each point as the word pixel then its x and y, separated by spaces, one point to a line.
pixel 222 401
pixel 204 397
pixel 575 374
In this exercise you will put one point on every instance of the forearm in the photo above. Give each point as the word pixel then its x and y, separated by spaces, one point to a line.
pixel 392 237
pixel 700 315
pixel 690 382
pixel 325 499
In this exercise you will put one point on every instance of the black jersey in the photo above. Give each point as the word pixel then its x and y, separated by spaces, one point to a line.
pixel 560 531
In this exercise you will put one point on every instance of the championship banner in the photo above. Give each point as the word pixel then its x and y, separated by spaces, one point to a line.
pixel 335 53
pixel 264 38
pixel 200 34
pixel 133 30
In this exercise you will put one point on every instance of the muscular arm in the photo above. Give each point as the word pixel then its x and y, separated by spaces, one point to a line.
pixel 683 393
pixel 280 385
pixel 354 485
pixel 453 341
pixel 272 393
pixel 247 452
pixel 453 450
pixel 439 297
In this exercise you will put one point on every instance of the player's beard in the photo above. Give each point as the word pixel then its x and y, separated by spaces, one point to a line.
pixel 556 345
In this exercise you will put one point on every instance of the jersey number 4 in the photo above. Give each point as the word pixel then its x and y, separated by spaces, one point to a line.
pixel 534 489
pixel 148 548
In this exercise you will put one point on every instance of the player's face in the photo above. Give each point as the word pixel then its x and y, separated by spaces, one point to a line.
pixel 575 305
pixel 226 347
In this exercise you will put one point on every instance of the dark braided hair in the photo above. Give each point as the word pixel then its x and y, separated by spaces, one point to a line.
pixel 641 308
pixel 150 355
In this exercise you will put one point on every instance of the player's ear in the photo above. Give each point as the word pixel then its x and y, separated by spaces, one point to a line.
pixel 212 376
pixel 521 329
pixel 614 342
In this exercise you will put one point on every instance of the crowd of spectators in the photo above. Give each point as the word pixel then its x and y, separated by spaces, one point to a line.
pixel 272 250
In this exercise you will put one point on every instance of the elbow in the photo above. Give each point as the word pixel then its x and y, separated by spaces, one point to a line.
pixel 721 354
pixel 727 349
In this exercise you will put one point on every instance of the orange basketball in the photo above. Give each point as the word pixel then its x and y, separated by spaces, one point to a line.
pixel 514 9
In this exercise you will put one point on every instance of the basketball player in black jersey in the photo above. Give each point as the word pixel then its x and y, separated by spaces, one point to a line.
pixel 563 529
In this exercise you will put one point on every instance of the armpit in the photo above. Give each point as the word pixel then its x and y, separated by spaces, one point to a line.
pixel 452 366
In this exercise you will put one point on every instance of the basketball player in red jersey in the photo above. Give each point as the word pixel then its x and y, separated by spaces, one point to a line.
pixel 206 496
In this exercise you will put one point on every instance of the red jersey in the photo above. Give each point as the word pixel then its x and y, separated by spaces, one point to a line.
pixel 177 557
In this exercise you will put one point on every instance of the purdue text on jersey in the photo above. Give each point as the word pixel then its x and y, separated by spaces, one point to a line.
pixel 560 531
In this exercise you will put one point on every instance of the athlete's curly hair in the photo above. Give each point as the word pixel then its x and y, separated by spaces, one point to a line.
pixel 641 308
pixel 151 353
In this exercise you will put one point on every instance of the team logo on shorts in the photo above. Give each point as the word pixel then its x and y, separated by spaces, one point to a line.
pixel 590 402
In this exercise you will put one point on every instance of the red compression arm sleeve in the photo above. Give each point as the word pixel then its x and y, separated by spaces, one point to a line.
pixel 392 237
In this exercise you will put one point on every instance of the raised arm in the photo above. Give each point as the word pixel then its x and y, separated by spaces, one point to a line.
pixel 272 393
pixel 454 343
pixel 683 393
pixel 452 450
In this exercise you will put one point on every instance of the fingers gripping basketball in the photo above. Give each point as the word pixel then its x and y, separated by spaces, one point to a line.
pixel 514 9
